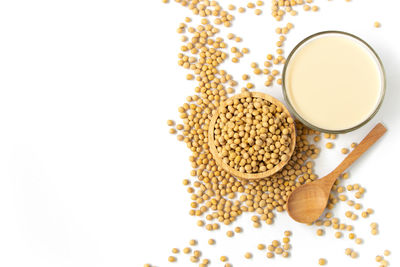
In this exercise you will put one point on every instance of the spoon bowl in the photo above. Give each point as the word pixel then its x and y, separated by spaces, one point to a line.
pixel 309 202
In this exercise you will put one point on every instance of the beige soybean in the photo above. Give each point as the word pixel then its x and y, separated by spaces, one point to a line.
pixel 386 252
pixel 320 232
pixel 194 259
pixel 287 233
pixel 275 243
pixel 329 145
pixel 197 253
pixel 270 255
pixel 344 150
pixel 238 229
pixel 278 250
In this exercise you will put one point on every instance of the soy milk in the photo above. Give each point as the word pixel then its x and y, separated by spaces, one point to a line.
pixel 334 81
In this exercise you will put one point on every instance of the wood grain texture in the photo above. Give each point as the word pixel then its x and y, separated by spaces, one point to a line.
pixel 307 202
pixel 218 158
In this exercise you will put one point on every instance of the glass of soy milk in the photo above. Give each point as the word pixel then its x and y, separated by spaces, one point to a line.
pixel 333 82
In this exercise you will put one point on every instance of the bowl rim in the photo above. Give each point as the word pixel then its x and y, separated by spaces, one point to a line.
pixel 310 125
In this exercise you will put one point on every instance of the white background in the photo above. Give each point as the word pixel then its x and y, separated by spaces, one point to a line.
pixel 89 175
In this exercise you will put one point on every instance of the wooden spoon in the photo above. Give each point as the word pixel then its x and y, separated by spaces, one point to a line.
pixel 308 201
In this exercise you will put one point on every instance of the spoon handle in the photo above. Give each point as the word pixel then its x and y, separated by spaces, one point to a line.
pixel 366 143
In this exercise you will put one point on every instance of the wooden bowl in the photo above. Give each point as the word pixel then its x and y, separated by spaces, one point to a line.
pixel 226 167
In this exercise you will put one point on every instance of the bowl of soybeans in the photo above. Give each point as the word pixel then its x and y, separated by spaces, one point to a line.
pixel 252 135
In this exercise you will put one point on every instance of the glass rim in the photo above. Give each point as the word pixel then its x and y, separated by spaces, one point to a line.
pixel 308 124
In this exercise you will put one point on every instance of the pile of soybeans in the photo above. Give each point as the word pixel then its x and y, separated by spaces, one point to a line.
pixel 252 134
pixel 217 197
